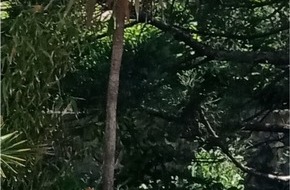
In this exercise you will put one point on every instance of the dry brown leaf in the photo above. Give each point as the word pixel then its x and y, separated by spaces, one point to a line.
pixel 37 8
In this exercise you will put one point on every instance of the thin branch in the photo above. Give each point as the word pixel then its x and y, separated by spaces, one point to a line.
pixel 160 114
pixel 184 65
pixel 259 127
pixel 266 115
pixel 243 37
pixel 48 5
pixel 252 5
pixel 187 63
pixel 267 127
pixel 256 115
pixel 68 8
pixel 268 141
pixel 275 58
pixel 237 163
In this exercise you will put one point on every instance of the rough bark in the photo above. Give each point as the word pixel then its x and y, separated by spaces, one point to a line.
pixel 112 96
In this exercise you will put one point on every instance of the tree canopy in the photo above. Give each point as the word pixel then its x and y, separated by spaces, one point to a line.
pixel 203 97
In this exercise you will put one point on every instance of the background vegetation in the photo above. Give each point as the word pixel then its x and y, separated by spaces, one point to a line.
pixel 199 80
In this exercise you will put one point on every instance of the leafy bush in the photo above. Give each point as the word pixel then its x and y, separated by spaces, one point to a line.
pixel 213 166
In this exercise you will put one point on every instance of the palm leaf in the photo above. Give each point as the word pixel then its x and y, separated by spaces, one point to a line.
pixel 11 154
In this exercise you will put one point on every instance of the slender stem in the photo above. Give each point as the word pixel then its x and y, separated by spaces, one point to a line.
pixel 112 96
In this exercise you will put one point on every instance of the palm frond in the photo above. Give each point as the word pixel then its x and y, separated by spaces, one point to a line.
pixel 12 153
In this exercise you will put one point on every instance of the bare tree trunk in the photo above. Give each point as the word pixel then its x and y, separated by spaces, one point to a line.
pixel 112 96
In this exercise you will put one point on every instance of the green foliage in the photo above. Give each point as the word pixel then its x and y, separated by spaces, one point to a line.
pixel 212 165
pixel 4 5
pixel 36 53
pixel 51 63
pixel 12 153
pixel 33 62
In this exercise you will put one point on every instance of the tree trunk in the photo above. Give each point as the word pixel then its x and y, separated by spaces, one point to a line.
pixel 112 96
